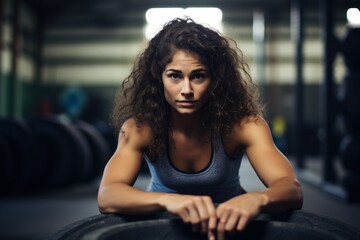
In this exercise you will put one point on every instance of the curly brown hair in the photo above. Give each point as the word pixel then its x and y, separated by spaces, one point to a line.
pixel 233 95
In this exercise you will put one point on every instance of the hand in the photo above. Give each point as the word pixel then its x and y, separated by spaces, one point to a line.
pixel 234 214
pixel 196 210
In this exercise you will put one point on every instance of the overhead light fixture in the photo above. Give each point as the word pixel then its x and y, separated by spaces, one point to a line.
pixel 157 17
pixel 205 15
pixel 160 15
pixel 353 16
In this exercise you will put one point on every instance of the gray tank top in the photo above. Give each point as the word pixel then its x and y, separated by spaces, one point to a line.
pixel 220 179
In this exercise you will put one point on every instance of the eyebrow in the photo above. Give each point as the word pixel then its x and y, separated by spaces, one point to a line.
pixel 194 71
pixel 173 70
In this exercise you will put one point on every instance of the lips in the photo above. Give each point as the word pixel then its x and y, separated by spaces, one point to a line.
pixel 186 103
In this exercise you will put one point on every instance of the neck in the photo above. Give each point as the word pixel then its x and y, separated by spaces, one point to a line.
pixel 188 124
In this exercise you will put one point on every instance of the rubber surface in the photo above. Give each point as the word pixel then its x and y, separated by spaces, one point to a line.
pixel 64 148
pixel 293 225
pixel 19 157
pixel 100 150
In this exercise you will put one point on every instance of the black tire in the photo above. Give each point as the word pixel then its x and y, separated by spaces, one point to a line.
pixel 25 169
pixel 64 149
pixel 100 150
pixel 7 168
pixel 293 225
pixel 108 132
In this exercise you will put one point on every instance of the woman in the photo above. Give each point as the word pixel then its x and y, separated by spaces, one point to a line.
pixel 190 109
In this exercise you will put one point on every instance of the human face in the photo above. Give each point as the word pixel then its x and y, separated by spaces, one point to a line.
pixel 186 82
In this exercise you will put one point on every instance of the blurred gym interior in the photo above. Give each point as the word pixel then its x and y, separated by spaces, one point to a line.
pixel 63 60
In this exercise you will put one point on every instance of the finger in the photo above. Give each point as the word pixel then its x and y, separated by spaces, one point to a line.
pixel 203 213
pixel 221 224
pixel 194 216
pixel 184 214
pixel 232 222
pixel 211 235
pixel 223 215
pixel 220 232
pixel 244 219
pixel 212 214
pixel 212 217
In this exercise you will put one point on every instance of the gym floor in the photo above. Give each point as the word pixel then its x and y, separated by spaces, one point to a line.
pixel 39 216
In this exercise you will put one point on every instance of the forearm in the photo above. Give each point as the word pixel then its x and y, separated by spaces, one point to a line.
pixel 122 198
pixel 284 194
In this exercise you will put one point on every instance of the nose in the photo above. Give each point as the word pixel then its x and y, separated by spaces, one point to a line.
pixel 186 88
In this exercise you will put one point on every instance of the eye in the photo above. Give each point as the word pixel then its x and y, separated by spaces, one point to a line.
pixel 174 76
pixel 198 76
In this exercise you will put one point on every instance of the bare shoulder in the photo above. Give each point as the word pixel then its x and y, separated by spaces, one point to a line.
pixel 249 129
pixel 136 134
pixel 251 123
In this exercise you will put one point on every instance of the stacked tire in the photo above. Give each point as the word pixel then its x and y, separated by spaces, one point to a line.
pixel 49 153
pixel 350 109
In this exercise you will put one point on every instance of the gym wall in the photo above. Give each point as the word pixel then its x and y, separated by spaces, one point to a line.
pixel 94 49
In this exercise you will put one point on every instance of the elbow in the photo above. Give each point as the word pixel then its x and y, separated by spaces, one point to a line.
pixel 287 197
pixel 104 205
pixel 104 209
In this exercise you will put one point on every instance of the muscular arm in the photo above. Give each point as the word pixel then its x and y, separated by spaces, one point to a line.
pixel 116 193
pixel 283 190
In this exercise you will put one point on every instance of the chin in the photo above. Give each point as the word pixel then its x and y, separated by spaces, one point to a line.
pixel 187 111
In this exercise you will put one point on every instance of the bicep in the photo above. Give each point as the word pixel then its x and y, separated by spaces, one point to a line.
pixel 268 162
pixel 123 167
pixel 125 164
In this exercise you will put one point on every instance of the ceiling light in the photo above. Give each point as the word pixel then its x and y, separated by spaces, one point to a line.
pixel 157 17
pixel 353 16
pixel 162 15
